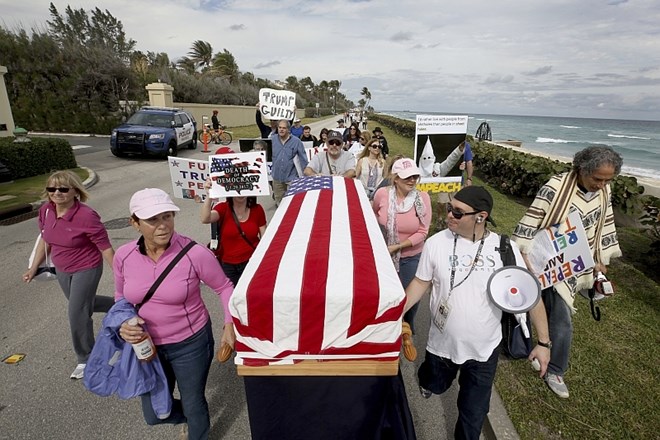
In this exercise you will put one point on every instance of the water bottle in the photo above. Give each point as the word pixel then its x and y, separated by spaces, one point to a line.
pixel 144 349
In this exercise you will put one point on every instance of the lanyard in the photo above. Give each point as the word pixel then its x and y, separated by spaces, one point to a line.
pixel 474 263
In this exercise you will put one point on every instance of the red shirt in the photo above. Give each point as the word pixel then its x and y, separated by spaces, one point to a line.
pixel 76 239
pixel 234 248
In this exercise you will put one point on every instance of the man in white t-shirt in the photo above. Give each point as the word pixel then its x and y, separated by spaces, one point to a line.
pixel 465 328
pixel 333 162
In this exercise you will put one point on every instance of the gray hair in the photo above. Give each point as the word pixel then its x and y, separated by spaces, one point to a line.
pixel 259 145
pixel 288 123
pixel 587 161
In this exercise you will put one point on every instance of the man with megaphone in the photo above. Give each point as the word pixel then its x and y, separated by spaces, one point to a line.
pixel 466 329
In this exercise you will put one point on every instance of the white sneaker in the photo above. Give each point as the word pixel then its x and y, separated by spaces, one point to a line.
pixel 79 372
pixel 557 385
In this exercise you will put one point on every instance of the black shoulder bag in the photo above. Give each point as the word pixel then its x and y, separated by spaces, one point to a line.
pixel 238 225
pixel 514 342
pixel 162 276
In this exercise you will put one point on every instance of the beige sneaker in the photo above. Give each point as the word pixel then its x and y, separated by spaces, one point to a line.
pixel 79 372
pixel 557 385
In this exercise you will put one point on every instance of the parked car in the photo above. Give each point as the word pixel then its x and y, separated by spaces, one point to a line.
pixel 159 131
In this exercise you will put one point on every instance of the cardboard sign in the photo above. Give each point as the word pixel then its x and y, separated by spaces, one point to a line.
pixel 433 185
pixel 560 252
pixel 188 177
pixel 313 151
pixel 277 104
pixel 239 174
pixel 436 136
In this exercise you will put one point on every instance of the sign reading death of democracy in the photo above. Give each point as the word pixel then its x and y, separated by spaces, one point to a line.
pixel 239 174
pixel 277 104
pixel 188 177
pixel 560 252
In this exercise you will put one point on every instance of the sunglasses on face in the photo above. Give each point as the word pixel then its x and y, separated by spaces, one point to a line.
pixel 375 146
pixel 411 178
pixel 62 189
pixel 335 143
pixel 458 214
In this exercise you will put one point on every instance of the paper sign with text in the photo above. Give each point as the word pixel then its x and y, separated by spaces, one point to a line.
pixel 239 174
pixel 277 104
pixel 188 176
pixel 560 252
pixel 436 136
pixel 434 185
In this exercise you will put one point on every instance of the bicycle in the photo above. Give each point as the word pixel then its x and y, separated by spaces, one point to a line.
pixel 220 136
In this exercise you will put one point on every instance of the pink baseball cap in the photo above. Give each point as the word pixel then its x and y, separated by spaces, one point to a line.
pixel 149 202
pixel 405 168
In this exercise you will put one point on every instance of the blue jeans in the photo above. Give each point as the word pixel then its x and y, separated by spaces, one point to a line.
pixel 475 382
pixel 407 270
pixel 186 364
pixel 560 325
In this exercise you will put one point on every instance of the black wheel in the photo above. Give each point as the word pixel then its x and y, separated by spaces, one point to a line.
pixel 193 143
pixel 171 149
pixel 117 153
pixel 225 138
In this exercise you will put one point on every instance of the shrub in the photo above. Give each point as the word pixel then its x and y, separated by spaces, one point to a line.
pixel 40 156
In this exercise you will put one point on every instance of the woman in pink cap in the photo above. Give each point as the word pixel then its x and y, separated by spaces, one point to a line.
pixel 404 213
pixel 175 317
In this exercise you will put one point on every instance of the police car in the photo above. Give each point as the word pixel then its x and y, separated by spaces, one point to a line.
pixel 159 131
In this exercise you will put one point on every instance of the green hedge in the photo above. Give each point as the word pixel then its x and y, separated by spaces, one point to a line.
pixel 310 112
pixel 39 156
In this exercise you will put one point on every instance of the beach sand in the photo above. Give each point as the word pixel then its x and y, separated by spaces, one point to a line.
pixel 651 186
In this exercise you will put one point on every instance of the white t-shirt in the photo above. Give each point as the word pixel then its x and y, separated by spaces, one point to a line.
pixel 345 162
pixel 473 328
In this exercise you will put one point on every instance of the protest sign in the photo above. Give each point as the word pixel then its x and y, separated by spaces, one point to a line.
pixel 188 176
pixel 239 174
pixel 560 252
pixel 436 136
pixel 277 104
pixel 434 185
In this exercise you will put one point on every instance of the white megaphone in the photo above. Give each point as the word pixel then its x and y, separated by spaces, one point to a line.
pixel 514 289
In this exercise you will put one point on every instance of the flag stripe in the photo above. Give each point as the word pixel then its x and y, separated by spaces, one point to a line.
pixel 315 277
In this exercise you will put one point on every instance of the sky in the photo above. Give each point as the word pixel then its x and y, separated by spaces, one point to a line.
pixel 576 58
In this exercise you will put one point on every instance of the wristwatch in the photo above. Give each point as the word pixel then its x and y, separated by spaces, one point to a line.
pixel 547 345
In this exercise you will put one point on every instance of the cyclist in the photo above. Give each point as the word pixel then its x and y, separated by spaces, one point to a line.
pixel 215 121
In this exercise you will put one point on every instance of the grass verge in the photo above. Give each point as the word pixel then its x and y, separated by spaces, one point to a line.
pixel 29 190
pixel 614 368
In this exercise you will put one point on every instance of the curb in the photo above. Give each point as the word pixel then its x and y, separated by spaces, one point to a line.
pixel 25 212
pixel 498 425
pixel 43 133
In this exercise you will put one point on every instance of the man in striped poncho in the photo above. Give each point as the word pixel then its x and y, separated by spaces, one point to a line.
pixel 585 189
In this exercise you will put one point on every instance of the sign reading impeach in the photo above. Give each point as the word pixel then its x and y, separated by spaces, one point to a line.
pixel 277 104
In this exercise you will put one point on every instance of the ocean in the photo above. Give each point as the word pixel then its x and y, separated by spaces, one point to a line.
pixel 637 141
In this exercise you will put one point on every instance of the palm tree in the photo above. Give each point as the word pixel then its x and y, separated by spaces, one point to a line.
pixel 201 53
pixel 367 96
pixel 334 87
pixel 186 64
pixel 224 64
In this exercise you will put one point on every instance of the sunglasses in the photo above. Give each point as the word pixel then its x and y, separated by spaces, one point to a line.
pixel 335 143
pixel 62 189
pixel 375 146
pixel 414 177
pixel 458 214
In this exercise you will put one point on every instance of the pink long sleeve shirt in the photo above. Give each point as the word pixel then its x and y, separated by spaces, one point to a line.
pixel 408 224
pixel 176 311
pixel 76 239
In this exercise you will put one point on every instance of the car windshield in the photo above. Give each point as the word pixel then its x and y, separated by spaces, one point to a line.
pixel 151 119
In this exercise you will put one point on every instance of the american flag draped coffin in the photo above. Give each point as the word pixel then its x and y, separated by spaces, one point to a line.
pixel 321 284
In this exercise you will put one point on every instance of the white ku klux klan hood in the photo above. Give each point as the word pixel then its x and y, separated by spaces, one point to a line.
pixel 427 159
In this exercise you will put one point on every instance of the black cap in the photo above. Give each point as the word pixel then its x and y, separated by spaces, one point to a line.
pixel 377 129
pixel 478 198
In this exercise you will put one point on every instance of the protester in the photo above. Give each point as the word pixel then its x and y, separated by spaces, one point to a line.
pixel 351 135
pixel 175 317
pixel 333 162
pixel 307 135
pixel 405 214
pixel 285 149
pixel 370 166
pixel 265 130
pixel 466 164
pixel 242 223
pixel 585 189
pixel 323 137
pixel 77 243
pixel 341 128
pixel 465 330
pixel 358 147
pixel 378 133
pixel 364 121
pixel 296 128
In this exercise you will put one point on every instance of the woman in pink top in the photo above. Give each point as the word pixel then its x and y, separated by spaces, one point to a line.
pixel 78 243
pixel 405 215
pixel 175 317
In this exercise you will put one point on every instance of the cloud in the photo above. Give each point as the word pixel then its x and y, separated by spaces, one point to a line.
pixel 498 79
pixel 237 27
pixel 401 36
pixel 267 64
pixel 540 71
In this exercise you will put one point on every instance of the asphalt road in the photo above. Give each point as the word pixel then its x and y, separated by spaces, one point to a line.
pixel 37 398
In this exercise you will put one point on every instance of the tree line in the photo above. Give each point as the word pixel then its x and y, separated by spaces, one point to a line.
pixel 72 75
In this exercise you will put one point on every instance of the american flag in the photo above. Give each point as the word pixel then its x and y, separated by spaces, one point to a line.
pixel 321 283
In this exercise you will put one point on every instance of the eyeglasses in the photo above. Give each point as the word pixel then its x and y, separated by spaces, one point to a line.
pixel 375 146
pixel 335 143
pixel 458 214
pixel 62 189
